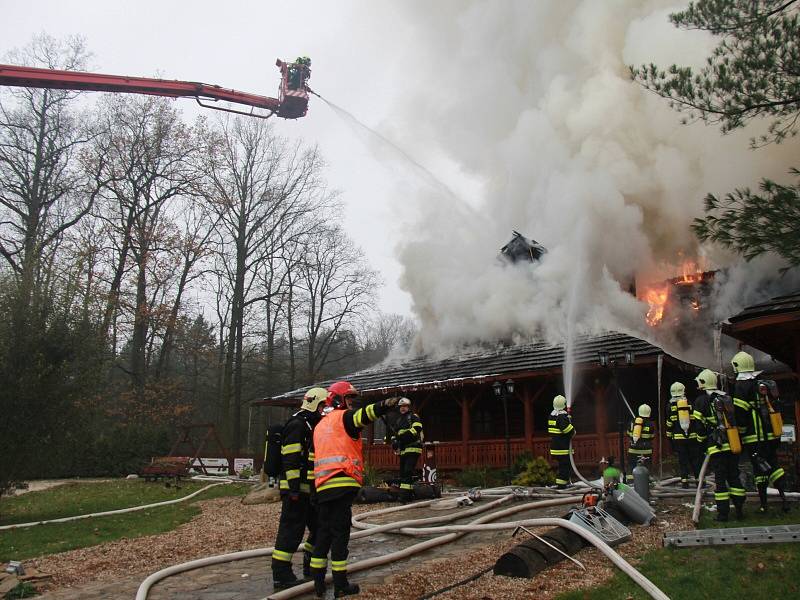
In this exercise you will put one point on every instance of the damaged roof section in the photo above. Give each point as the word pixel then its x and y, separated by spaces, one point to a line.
pixel 521 248
pixel 475 367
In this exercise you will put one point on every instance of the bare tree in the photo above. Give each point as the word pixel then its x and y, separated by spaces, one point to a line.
pixel 260 187
pixel 149 165
pixel 338 287
pixel 44 187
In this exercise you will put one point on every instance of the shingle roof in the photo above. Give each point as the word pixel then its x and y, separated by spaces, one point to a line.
pixel 773 306
pixel 474 366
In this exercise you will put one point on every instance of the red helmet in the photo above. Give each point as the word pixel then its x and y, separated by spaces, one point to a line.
pixel 337 393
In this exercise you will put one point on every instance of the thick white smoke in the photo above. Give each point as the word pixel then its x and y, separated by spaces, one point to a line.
pixel 533 100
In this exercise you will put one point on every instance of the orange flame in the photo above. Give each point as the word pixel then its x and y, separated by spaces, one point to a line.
pixel 691 272
pixel 656 297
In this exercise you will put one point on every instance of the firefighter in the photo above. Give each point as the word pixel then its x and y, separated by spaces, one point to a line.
pixel 408 441
pixel 754 407
pixel 641 431
pixel 559 426
pixel 686 432
pixel 722 444
pixel 296 481
pixel 299 72
pixel 338 475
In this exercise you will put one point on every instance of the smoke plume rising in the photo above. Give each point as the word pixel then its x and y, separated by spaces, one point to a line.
pixel 533 101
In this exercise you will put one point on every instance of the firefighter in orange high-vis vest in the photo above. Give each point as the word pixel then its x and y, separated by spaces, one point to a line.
pixel 338 475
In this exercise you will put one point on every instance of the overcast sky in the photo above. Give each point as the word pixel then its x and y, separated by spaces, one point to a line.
pixel 358 66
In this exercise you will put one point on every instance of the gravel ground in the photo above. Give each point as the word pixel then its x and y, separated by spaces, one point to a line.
pixel 225 525
pixel 436 574
pixel 228 526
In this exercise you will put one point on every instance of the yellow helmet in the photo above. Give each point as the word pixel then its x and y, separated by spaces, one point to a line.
pixel 644 411
pixel 743 363
pixel 677 390
pixel 559 402
pixel 313 398
pixel 707 380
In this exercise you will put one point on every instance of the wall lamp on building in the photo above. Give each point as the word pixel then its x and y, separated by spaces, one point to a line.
pixel 504 391
pixel 605 360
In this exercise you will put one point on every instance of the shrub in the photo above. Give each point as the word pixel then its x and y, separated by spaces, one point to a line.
pixel 479 477
pixel 537 472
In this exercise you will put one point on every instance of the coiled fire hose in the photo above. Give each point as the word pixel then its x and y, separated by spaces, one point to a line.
pixel 452 532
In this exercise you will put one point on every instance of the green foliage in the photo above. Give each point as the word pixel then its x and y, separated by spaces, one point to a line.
pixel 23 590
pixel 537 472
pixel 753 72
pixel 20 544
pixel 753 224
pixel 521 462
pixel 374 477
pixel 479 477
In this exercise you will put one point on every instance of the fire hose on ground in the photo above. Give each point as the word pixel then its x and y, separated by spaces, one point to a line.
pixel 452 532
pixel 114 512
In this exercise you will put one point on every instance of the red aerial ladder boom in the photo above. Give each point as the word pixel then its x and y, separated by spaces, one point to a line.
pixel 292 103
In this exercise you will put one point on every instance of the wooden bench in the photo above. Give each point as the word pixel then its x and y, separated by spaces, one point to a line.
pixel 166 467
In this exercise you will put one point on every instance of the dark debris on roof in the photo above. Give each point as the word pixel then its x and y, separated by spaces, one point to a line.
pixel 427 373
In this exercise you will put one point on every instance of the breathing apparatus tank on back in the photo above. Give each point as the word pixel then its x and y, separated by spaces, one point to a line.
pixel 768 394
pixel 723 407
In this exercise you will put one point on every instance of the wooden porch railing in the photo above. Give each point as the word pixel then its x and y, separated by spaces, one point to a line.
pixel 492 453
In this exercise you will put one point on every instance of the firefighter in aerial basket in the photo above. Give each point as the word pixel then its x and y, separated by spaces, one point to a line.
pixel 686 432
pixel 296 450
pixel 408 442
pixel 338 475
pixel 559 426
pixel 760 425
pixel 641 432
pixel 722 444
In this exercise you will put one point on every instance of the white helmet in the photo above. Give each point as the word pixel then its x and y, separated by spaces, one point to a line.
pixel 707 380
pixel 313 398
pixel 644 411
pixel 559 402
pixel 677 390
pixel 404 402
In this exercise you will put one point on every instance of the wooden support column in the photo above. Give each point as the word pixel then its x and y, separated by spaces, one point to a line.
pixel 466 402
pixel 601 417
pixel 528 399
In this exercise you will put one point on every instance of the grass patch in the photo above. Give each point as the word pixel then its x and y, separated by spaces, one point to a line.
pixel 75 499
pixel 756 572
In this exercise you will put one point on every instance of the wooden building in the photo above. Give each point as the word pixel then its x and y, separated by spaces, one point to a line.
pixel 463 415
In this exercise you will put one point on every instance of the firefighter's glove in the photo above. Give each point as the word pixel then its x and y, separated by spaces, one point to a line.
pixel 395 444
pixel 294 496
pixel 391 402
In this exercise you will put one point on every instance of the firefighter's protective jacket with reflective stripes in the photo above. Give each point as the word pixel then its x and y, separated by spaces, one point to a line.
pixel 559 426
pixel 409 434
pixel 675 432
pixel 706 405
pixel 752 415
pixel 644 445
pixel 297 453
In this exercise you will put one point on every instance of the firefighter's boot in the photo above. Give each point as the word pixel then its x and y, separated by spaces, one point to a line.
pixel 762 497
pixel 306 563
pixel 282 575
pixel 342 587
pixel 319 582
pixel 738 504
pixel 723 510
